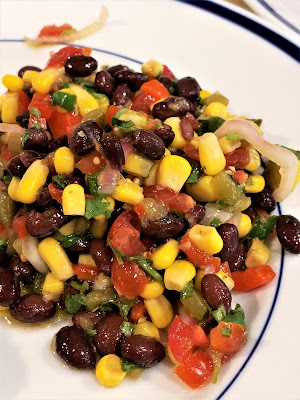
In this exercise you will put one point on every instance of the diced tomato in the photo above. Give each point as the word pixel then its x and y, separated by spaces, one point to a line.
pixel 24 101
pixel 86 272
pixel 138 311
pixel 43 103
pixel 240 176
pixel 198 257
pixel 91 163
pixel 35 120
pixel 58 59
pixel 238 158
pixel 155 89
pixel 196 370
pixel 19 224
pixel 128 279
pixel 55 193
pixel 179 202
pixel 63 123
pixel 5 153
pixel 139 210
pixel 54 30
pixel 142 102
pixel 225 344
pixel 167 73
pixel 191 151
pixel 252 278
pixel 111 112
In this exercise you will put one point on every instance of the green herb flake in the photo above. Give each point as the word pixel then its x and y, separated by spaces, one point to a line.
pixel 127 328
pixel 92 181
pixel 3 244
pixel 261 229
pixel 121 124
pixel 127 366
pixel 6 180
pixel 296 152
pixel 223 203
pixel 233 136
pixel 68 31
pixel 66 241
pixel 74 302
pixel 36 125
pixel 219 313
pixel 94 93
pixel 194 175
pixel 35 112
pixel 91 332
pixel 96 206
pixel 201 101
pixel 65 100
pixel 210 125
pixel 236 316
pixel 226 331
pixel 64 85
pixel 82 288
pixel 60 180
pixel 187 291
pixel 215 222
pixel 26 135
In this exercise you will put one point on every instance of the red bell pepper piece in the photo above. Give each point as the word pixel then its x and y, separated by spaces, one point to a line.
pixel 111 112
pixel 252 278
pixel 86 272
pixel 55 193
pixel 138 311
pixel 58 59
pixel 228 344
pixel 155 89
pixel 63 123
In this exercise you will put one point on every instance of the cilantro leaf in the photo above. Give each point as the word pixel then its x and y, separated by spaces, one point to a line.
pixel 261 229
pixel 65 100
pixel 94 93
pixel 92 181
pixel 187 291
pixel 6 180
pixel 26 135
pixel 210 125
pixel 82 288
pixel 36 125
pixel 66 241
pixel 127 366
pixel 233 136
pixel 121 124
pixel 95 207
pixel 219 313
pixel 35 112
pixel 223 203
pixel 3 244
pixel 194 175
pixel 226 331
pixel 215 222
pixel 127 328
pixel 91 332
pixel 74 302
pixel 296 152
pixel 237 316
pixel 60 180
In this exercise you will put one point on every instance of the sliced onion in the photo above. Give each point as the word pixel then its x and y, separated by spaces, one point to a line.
pixel 9 128
pixel 236 218
pixel 72 37
pixel 101 282
pixel 30 251
pixel 212 212
pixel 127 147
pixel 285 159
pixel 108 179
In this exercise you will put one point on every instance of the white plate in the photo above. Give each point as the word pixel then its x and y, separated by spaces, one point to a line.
pixel 261 81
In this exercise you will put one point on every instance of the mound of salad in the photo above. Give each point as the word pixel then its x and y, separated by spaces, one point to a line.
pixel 137 204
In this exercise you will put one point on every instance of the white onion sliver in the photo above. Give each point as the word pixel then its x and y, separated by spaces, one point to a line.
pixel 108 179
pixel 236 218
pixel 286 160
pixel 30 251
pixel 127 147
pixel 211 212
pixel 9 128
pixel 101 282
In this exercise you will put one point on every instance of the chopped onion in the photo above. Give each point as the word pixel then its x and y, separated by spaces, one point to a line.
pixel 108 179
pixel 212 212
pixel 9 128
pixel 30 251
pixel 127 147
pixel 72 37
pixel 236 218
pixel 285 159
pixel 102 282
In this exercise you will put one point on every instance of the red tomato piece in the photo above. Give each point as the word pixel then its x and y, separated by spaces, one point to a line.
pixel 35 120
pixel 43 103
pixel 231 344
pixel 128 278
pixel 63 123
pixel 86 272
pixel 55 193
pixel 19 224
pixel 252 278
pixel 54 30
pixel 24 101
pixel 238 158
pixel 58 59
pixel 155 89
pixel 196 370
pixel 139 210
pixel 142 102
pixel 5 153
pixel 240 176
pixel 138 311
pixel 111 112
pixel 91 163
pixel 192 151
pixel 167 73
pixel 179 202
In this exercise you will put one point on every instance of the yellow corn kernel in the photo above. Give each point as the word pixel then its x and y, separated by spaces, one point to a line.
pixel 56 258
pixel 64 161
pixel 14 183
pixel 258 254
pixel 68 229
pixel 211 156
pixel 256 184
pixel 160 311
pixel 103 103
pixel 111 207
pixel 86 259
pixel 204 93
pixel 138 119
pixel 179 142
pixel 12 82
pixel 29 75
pixel 33 180
pixel 199 275
pixel 171 356
pixel 147 329
pixel 164 256
pixel 203 190
pixel 73 200
pixel 98 228
pixel 109 370
pixel 85 101
pixel 152 290
pixel 10 107
pixel 152 68
pixel 255 161
pixel 1 103
pixel 227 146
pixel 52 287
pixel 43 80
pixel 173 171
pixel 256 126
pixel 244 226
pixel 206 238
pixel 167 152
pixel 151 178
pixel 128 192
pixel 216 109
pixel 137 165
pixel 179 274
pixel 229 282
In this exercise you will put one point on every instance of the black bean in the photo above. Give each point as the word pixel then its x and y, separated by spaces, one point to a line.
pixel 37 140
pixel 207 326
pixel 108 337
pixel 133 80
pixel 44 198
pixel 3 257
pixel 116 68
pixel 68 289
pixel 166 133
pixel 236 261
pixel 122 95
pixel 84 138
pixel 215 292
pixel 148 143
pixel 27 157
pixel 28 68
pixel 62 141
pixel 74 348
pixel 15 167
pixel 80 66
pixel 23 119
pixel 171 107
pixel 33 308
pixel 288 233
pixel 189 88
pixel 42 224
pixel 252 214
pixel 9 288
pixel 87 320
pixel 142 350
pixel 102 255
pixel 164 228
pixel 186 129
pixel 76 177
pixel 113 152
pixel 82 246
pixel 22 270
pixel 264 200
pixel 104 83
pixel 195 215
pixel 230 237
pixel 169 84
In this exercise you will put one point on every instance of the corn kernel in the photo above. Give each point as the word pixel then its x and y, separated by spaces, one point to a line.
pixel 138 119
pixel 52 287
pixel 103 103
pixel 203 190
pixel 229 282
pixel 12 82
pixel 4 308
pixel 255 161
pixel 43 80
pixel 204 93
pixel 68 229
pixel 256 184
pixel 152 290
pixel 167 152
pixel 13 185
pixel 244 226
pixel 151 178
pixel 258 254
pixel 29 75
pixel 111 207
pixel 216 109
pixel 199 275
pixel 86 259
pixel 85 101
pixel 160 311
pixel 10 107
pixel 109 371
pixel 152 68
pixel 256 126
pixel 173 171
pixel 64 161
pixel 128 192
pixel 164 256
pixel 1 103
pixel 73 200
pixel 137 165
pixel 211 156
pixel 147 329
pixel 98 228
pixel 56 258
pixel 178 275
pixel 179 142
pixel 227 146
pixel 206 238
pixel 171 356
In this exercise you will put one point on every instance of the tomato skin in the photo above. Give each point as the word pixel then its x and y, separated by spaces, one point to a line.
pixel 54 30
pixel 43 103
pixel 24 101
pixel 227 345
pixel 19 224
pixel 240 176
pixel 191 151
pixel 252 278
pixel 196 370
pixel 128 279
pixel 155 89
pixel 179 202
pixel 63 123
pixel 142 102
pixel 238 158
pixel 58 59
pixel 138 311
pixel 86 164
pixel 55 193
pixel 111 112
pixel 86 272
pixel 5 153
pixel 167 73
